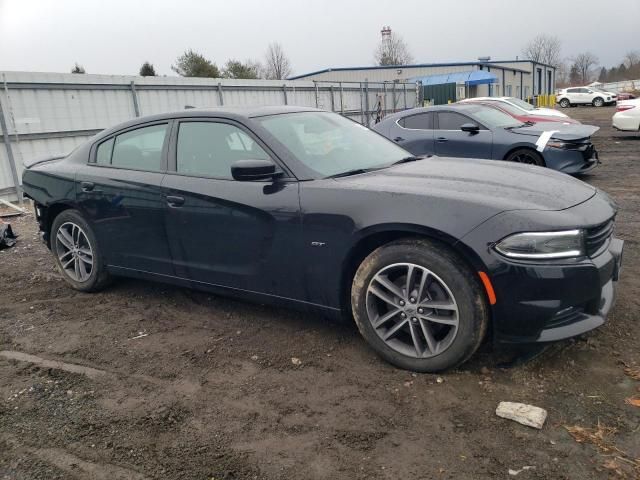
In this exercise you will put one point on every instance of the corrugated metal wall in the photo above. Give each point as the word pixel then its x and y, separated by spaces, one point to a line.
pixel 51 113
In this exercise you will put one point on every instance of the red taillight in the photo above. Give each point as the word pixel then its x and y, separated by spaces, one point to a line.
pixel 622 108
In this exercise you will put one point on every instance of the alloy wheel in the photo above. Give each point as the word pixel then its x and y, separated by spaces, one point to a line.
pixel 74 252
pixel 412 310
pixel 525 158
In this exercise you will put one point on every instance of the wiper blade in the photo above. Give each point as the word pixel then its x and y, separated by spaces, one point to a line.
pixel 355 171
pixel 412 158
pixel 518 126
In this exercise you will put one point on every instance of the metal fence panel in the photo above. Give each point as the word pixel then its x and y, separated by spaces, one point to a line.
pixel 51 113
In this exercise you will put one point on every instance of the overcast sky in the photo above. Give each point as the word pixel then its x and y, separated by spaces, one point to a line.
pixel 116 36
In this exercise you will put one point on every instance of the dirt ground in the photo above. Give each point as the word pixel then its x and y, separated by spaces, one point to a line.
pixel 149 381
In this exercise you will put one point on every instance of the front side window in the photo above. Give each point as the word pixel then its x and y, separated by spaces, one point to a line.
pixel 330 144
pixel 451 120
pixel 491 117
pixel 139 149
pixel 210 148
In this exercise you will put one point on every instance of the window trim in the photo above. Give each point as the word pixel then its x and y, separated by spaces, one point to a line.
pixel 163 153
pixel 172 154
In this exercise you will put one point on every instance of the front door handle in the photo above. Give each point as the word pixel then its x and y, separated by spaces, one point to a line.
pixel 398 139
pixel 173 201
pixel 87 186
pixel 442 139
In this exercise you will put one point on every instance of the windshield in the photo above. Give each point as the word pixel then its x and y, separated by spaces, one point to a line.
pixel 330 144
pixel 492 117
pixel 520 103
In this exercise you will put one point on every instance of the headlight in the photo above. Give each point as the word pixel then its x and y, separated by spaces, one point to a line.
pixel 543 245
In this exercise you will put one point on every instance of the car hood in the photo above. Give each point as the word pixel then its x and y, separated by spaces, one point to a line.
pixel 561 131
pixel 499 185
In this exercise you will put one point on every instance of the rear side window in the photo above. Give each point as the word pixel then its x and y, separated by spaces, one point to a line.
pixel 451 120
pixel 139 149
pixel 103 155
pixel 210 148
pixel 421 121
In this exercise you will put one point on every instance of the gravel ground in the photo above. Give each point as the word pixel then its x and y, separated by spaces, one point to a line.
pixel 149 381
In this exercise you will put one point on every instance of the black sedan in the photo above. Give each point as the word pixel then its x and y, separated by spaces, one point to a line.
pixel 474 130
pixel 308 209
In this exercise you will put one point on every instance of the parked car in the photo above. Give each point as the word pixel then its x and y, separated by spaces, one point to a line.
pixel 473 130
pixel 627 116
pixel 528 117
pixel 625 96
pixel 568 97
pixel 299 207
pixel 524 107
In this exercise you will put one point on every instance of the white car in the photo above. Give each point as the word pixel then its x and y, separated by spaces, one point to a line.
pixel 627 116
pixel 585 96
pixel 524 107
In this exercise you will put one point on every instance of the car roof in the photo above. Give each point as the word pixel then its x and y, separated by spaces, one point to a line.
pixel 234 113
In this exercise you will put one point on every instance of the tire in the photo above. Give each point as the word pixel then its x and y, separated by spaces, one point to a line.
pixel 449 281
pixel 76 252
pixel 598 102
pixel 565 103
pixel 526 156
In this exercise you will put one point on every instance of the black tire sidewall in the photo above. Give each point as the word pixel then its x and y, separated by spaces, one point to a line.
pixel 473 312
pixel 598 102
pixel 564 103
pixel 96 277
pixel 539 160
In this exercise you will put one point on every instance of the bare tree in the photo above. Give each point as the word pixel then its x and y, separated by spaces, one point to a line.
pixel 632 59
pixel 276 63
pixel 544 49
pixel 392 51
pixel 584 63
pixel 78 69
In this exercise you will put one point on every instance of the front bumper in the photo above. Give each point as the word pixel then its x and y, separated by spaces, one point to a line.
pixel 564 301
pixel 547 301
pixel 572 162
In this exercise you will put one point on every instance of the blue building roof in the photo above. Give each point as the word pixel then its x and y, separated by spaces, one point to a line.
pixel 472 77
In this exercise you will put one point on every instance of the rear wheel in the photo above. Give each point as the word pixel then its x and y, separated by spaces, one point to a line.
pixel 527 156
pixel 76 252
pixel 598 102
pixel 419 306
pixel 565 103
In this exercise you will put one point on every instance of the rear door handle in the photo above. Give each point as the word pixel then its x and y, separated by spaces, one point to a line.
pixel 87 186
pixel 442 139
pixel 173 201
pixel 398 139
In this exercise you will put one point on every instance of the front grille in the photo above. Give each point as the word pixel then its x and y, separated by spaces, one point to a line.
pixel 597 238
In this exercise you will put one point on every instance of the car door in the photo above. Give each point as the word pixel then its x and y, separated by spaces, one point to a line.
pixel 415 133
pixel 451 141
pixel 119 191
pixel 237 234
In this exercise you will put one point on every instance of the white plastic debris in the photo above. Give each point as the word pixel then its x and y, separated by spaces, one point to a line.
pixel 522 413
pixel 516 472
pixel 296 361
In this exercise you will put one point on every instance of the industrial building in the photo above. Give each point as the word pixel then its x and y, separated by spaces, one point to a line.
pixel 485 77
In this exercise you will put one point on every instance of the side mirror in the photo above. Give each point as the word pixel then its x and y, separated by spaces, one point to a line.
pixel 470 127
pixel 251 170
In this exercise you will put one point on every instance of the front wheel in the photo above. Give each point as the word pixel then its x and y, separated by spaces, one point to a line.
pixel 419 306
pixel 76 252
pixel 565 103
pixel 526 155
pixel 598 102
